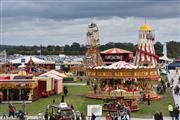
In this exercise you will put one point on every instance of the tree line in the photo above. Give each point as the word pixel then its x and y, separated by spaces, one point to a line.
pixel 173 49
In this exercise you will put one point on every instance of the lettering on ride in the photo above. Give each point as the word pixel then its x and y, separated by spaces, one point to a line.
pixel 104 74
pixel 141 73
pixel 6 85
pixel 118 74
pixel 91 73
pixel 126 74
pixel 153 73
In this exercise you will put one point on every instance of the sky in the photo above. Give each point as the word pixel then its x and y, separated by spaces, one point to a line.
pixel 60 22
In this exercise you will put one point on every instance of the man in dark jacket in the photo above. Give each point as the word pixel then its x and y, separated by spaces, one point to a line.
pixel 156 116
pixel 176 113
pixel 93 117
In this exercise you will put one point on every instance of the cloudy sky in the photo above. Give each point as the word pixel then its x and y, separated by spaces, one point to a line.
pixel 59 22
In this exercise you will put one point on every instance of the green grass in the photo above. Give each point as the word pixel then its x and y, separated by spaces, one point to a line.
pixel 160 106
pixel 77 97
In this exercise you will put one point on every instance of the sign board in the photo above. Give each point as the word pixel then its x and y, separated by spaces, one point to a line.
pixel 63 105
pixel 95 109
pixel 23 60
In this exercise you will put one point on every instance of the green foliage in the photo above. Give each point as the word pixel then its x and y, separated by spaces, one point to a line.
pixel 77 97
pixel 173 49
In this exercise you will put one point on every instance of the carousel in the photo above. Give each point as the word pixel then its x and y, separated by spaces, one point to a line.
pixel 123 83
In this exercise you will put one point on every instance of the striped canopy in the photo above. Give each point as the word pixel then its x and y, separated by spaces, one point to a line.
pixel 120 65
pixel 115 51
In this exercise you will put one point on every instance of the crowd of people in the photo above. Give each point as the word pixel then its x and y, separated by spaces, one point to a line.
pixel 13 113
pixel 108 87
pixel 119 115
pixel 161 88
pixel 173 111
pixel 158 116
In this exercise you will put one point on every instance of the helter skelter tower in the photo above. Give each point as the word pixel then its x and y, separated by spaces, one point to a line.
pixel 145 53
pixel 92 57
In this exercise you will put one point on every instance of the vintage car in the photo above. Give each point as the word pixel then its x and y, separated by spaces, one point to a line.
pixel 61 112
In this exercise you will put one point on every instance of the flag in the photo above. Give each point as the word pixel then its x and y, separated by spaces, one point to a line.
pixel 164 50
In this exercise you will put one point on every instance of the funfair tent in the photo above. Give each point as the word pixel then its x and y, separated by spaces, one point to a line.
pixel 118 65
pixel 26 59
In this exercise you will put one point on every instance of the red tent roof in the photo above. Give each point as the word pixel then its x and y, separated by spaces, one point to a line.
pixel 4 77
pixel 115 51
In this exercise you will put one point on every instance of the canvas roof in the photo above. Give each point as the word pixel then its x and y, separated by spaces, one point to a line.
pixel 34 59
pixel 115 51
pixel 54 72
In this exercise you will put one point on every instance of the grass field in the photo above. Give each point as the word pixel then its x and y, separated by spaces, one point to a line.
pixel 77 97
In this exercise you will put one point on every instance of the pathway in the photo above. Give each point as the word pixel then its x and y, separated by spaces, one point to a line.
pixel 175 77
pixel 83 84
pixel 98 118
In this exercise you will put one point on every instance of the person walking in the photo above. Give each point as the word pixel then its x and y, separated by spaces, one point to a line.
pixel 62 99
pixel 156 116
pixel 4 116
pixel 148 99
pixel 160 116
pixel 12 110
pixel 176 113
pixel 170 109
pixel 128 111
pixel 46 116
pixel 65 90
pixel 93 116
pixel 108 116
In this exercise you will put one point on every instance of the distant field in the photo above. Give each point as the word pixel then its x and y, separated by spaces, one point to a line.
pixel 77 97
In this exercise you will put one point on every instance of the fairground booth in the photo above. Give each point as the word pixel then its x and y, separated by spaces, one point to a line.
pixel 116 54
pixel 24 87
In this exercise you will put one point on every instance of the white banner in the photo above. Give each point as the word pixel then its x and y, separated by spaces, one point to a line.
pixel 95 109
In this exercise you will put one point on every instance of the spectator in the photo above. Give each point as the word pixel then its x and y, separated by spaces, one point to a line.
pixel 170 109
pixel 62 98
pixel 72 107
pixel 65 90
pixel 128 110
pixel 46 116
pixel 54 101
pixel 156 116
pixel 94 88
pixel 12 110
pixel 160 116
pixel 4 116
pixel 83 116
pixel 176 113
pixel 93 116
pixel 148 99
pixel 108 116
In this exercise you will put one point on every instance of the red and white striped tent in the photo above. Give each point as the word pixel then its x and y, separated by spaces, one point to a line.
pixel 115 51
pixel 118 65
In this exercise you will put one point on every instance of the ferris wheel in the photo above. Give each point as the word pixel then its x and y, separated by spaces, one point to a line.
pixel 93 35
pixel 3 56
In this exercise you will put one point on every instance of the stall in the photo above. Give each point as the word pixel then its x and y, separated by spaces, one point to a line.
pixel 45 86
pixel 57 79
pixel 116 54
pixel 18 89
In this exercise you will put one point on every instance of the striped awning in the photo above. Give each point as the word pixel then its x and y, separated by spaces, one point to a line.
pixel 115 51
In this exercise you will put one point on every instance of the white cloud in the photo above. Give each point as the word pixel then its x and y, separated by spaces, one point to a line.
pixel 36 31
